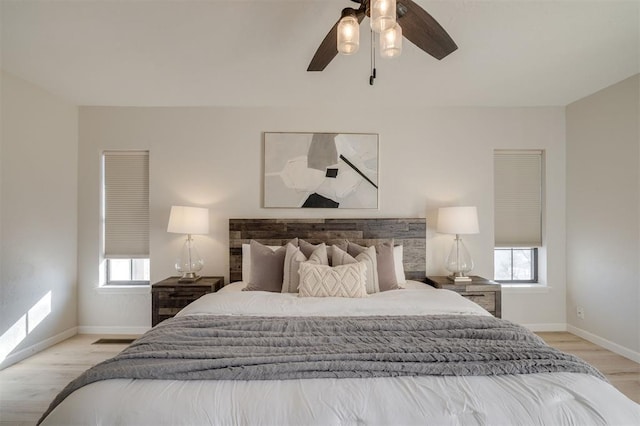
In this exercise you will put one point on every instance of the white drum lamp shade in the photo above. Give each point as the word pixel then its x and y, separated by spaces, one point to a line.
pixel 458 220
pixel 188 220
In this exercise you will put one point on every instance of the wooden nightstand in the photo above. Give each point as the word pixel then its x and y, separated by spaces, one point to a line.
pixel 482 291
pixel 169 296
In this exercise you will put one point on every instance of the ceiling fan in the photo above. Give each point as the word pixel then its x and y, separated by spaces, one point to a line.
pixel 414 23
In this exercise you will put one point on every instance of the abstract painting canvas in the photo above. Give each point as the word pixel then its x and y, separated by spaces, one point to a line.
pixel 321 170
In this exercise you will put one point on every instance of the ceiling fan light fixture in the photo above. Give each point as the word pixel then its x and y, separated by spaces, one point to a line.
pixel 348 32
pixel 383 15
pixel 391 42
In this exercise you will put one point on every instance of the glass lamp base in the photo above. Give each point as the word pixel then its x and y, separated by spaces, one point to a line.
pixel 189 277
pixel 189 262
pixel 459 262
pixel 459 278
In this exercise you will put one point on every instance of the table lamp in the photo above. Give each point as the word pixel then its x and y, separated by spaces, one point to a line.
pixel 458 221
pixel 189 221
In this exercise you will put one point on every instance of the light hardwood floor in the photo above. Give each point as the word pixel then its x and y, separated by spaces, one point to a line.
pixel 27 388
pixel 622 373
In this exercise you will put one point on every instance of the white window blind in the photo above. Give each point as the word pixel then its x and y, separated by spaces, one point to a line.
pixel 518 198
pixel 126 204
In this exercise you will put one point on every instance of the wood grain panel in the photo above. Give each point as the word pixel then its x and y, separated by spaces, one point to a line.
pixel 410 232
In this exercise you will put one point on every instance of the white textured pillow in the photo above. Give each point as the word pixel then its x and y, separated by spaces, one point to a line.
pixel 368 257
pixel 337 281
pixel 398 265
pixel 292 260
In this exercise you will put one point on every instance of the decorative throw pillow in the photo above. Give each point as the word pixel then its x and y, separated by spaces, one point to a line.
pixel 368 257
pixel 246 258
pixel 267 268
pixel 385 261
pixel 307 248
pixel 292 260
pixel 332 281
pixel 398 261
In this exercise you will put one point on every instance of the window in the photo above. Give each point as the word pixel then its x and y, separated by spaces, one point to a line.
pixel 516 265
pixel 127 271
pixel 126 217
pixel 518 189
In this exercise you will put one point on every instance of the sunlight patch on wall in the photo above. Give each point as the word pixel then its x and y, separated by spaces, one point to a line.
pixel 25 325
pixel 12 337
pixel 38 312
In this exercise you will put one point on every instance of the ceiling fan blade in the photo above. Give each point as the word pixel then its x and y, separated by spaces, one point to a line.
pixel 422 30
pixel 329 47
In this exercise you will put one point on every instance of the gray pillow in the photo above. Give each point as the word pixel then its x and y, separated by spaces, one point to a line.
pixel 385 260
pixel 267 267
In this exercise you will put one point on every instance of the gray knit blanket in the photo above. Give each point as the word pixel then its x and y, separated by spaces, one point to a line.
pixel 203 347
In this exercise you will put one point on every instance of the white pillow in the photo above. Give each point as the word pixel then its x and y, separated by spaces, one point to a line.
pixel 368 257
pixel 246 261
pixel 398 265
pixel 292 260
pixel 332 281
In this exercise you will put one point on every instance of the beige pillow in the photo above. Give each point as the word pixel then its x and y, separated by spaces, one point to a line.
pixel 332 281
pixel 368 257
pixel 292 260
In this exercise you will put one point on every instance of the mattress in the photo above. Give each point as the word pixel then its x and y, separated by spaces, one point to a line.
pixel 543 398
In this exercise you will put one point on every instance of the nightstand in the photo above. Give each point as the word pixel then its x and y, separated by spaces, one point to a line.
pixel 169 296
pixel 482 291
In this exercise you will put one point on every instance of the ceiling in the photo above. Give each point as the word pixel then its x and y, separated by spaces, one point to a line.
pixel 255 53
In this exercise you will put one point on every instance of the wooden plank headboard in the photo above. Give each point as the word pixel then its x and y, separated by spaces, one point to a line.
pixel 410 232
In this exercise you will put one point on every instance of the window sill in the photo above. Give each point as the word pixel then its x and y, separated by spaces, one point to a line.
pixel 124 289
pixel 525 288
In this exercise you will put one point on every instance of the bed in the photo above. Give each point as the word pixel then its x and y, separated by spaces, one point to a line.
pixel 411 355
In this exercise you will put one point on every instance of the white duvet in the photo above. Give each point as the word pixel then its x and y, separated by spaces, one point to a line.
pixel 541 399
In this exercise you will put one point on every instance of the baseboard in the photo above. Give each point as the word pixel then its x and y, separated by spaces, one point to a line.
pixel 546 327
pixel 607 344
pixel 89 329
pixel 33 349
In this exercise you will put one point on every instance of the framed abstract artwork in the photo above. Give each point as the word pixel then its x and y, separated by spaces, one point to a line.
pixel 321 170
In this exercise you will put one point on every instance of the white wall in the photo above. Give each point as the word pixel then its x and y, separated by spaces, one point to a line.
pixel 38 219
pixel 429 157
pixel 603 214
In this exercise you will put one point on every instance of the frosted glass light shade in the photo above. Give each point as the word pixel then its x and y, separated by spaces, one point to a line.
pixel 391 42
pixel 348 34
pixel 458 220
pixel 188 220
pixel 383 14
